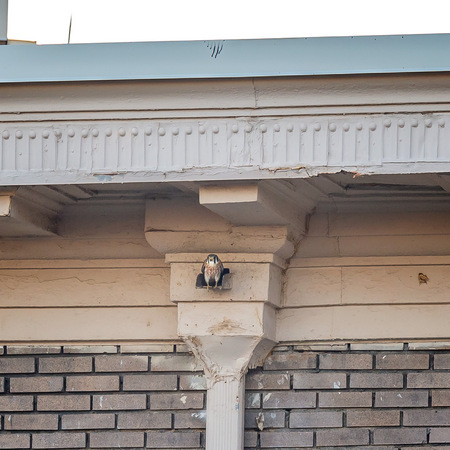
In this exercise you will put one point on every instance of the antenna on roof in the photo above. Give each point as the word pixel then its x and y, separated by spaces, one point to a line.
pixel 70 29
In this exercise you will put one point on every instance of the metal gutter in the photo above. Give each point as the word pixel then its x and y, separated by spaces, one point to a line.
pixel 225 59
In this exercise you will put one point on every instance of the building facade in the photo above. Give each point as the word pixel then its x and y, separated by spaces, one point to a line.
pixel 319 174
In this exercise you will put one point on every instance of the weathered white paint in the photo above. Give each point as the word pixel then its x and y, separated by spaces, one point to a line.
pixel 256 204
pixel 107 151
pixel 225 415
pixel 266 97
pixel 173 226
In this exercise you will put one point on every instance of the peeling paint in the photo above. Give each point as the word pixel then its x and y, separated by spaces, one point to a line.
pixel 199 415
pixel 260 420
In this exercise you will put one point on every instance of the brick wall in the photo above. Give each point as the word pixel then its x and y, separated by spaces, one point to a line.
pixel 351 396
pixel 100 397
pixel 392 396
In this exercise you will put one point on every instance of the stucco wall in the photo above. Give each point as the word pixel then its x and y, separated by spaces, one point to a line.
pixel 355 276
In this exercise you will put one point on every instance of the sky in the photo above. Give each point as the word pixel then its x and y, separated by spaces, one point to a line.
pixel 47 21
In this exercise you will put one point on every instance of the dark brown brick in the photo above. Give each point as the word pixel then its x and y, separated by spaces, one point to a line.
pixel 10 364
pixel 343 399
pixel 178 400
pixel 36 384
pixel 442 361
pixel 401 399
pixel 273 400
pixel 271 419
pixel 345 361
pixel 190 419
pixel 283 439
pixel 108 402
pixel 175 363
pixel 315 419
pixel 440 435
pixel 70 364
pixel 173 439
pixel 402 361
pixel 87 421
pixel 121 363
pixel 321 380
pixel 59 440
pixel 92 383
pixel 90 349
pixel 374 380
pixel 261 381
pixel 63 402
pixel 426 417
pixel 33 349
pixel 372 418
pixel 16 403
pixel 192 383
pixel 342 436
pixel 15 441
pixel 144 420
pixel 400 436
pixel 150 382
pixel 290 361
pixel 252 400
pixel 250 439
pixel 31 422
pixel 440 398
pixel 429 380
pixel 117 439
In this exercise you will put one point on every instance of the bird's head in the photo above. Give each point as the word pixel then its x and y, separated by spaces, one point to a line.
pixel 212 259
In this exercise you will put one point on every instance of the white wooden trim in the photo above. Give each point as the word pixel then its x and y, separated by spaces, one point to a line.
pixel 222 148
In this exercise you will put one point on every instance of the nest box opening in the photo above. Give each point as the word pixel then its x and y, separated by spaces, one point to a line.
pixel 224 282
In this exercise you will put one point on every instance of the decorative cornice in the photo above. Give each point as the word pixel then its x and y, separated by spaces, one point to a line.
pixel 296 146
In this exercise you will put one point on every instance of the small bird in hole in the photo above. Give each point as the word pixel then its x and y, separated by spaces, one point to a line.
pixel 423 279
pixel 212 270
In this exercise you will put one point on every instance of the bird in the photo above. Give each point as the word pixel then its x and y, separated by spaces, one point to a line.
pixel 212 269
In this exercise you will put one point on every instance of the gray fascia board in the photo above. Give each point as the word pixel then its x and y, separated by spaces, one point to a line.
pixel 237 59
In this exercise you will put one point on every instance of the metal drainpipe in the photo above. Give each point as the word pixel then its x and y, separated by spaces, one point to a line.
pixel 3 21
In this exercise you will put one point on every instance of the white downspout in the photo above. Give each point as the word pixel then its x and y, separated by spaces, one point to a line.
pixel 226 348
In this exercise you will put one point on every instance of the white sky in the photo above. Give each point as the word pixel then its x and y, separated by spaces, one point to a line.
pixel 47 21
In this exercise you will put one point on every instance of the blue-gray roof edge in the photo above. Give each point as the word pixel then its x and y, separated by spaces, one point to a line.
pixel 225 59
